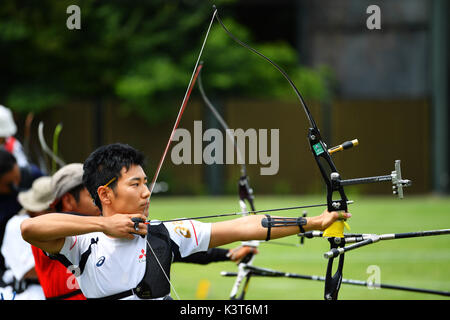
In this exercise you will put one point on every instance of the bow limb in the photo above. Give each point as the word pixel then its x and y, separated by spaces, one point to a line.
pixel 318 147
pixel 326 167
pixel 194 76
pixel 177 122
pixel 285 75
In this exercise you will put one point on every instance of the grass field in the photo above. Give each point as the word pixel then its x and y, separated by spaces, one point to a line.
pixel 417 262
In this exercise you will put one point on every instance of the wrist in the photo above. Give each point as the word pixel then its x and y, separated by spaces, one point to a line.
pixel 312 223
pixel 100 224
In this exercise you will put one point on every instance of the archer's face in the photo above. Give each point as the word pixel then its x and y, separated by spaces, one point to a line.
pixel 131 192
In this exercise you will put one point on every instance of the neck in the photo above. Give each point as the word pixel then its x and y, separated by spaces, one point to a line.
pixel 107 211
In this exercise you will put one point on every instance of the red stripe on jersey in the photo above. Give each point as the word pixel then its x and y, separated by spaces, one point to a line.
pixel 195 233
pixel 74 243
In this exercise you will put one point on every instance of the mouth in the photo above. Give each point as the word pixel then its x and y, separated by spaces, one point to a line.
pixel 143 205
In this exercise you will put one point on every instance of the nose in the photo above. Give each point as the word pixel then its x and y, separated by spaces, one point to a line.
pixel 146 192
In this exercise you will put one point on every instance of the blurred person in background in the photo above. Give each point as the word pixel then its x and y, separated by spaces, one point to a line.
pixel 29 171
pixel 8 129
pixel 16 174
pixel 10 178
pixel 17 253
pixel 72 197
pixel 13 179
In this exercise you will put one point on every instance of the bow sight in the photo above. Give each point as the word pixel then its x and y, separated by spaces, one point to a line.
pixel 396 177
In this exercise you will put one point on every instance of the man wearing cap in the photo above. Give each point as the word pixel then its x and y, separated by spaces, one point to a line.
pixel 70 192
pixel 70 196
pixel 17 253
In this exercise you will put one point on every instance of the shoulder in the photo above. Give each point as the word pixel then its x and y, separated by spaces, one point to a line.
pixel 189 235
pixel 187 229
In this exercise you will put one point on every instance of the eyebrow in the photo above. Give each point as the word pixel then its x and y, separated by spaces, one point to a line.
pixel 137 179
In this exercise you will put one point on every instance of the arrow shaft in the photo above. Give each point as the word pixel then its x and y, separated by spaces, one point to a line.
pixel 152 222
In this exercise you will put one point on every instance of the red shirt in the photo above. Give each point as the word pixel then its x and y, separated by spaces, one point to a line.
pixel 56 280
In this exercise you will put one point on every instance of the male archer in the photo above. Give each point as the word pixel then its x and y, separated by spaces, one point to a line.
pixel 72 197
pixel 116 258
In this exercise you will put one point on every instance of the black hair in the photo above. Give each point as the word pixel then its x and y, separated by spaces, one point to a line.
pixel 7 161
pixel 105 163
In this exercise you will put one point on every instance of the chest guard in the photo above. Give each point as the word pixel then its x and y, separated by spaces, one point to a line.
pixel 154 283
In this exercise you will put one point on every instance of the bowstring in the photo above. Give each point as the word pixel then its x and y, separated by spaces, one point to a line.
pixel 159 167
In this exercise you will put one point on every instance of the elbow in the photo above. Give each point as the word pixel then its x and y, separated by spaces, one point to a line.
pixel 26 228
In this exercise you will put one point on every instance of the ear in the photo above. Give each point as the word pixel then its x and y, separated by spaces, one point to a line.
pixel 69 203
pixel 104 194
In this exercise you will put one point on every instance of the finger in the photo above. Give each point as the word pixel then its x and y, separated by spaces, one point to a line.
pixel 142 230
pixel 139 216
pixel 138 221
pixel 343 215
pixel 129 235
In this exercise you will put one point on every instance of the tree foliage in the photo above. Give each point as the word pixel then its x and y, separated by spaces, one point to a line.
pixel 140 53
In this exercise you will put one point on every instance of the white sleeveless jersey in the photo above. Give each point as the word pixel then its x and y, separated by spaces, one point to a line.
pixel 105 266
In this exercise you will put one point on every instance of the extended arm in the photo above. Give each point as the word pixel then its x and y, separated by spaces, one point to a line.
pixel 250 228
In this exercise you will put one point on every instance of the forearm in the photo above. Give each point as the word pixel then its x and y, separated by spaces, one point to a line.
pixel 250 228
pixel 49 231
pixel 54 226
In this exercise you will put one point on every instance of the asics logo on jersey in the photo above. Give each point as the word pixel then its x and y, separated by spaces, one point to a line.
pixel 100 261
